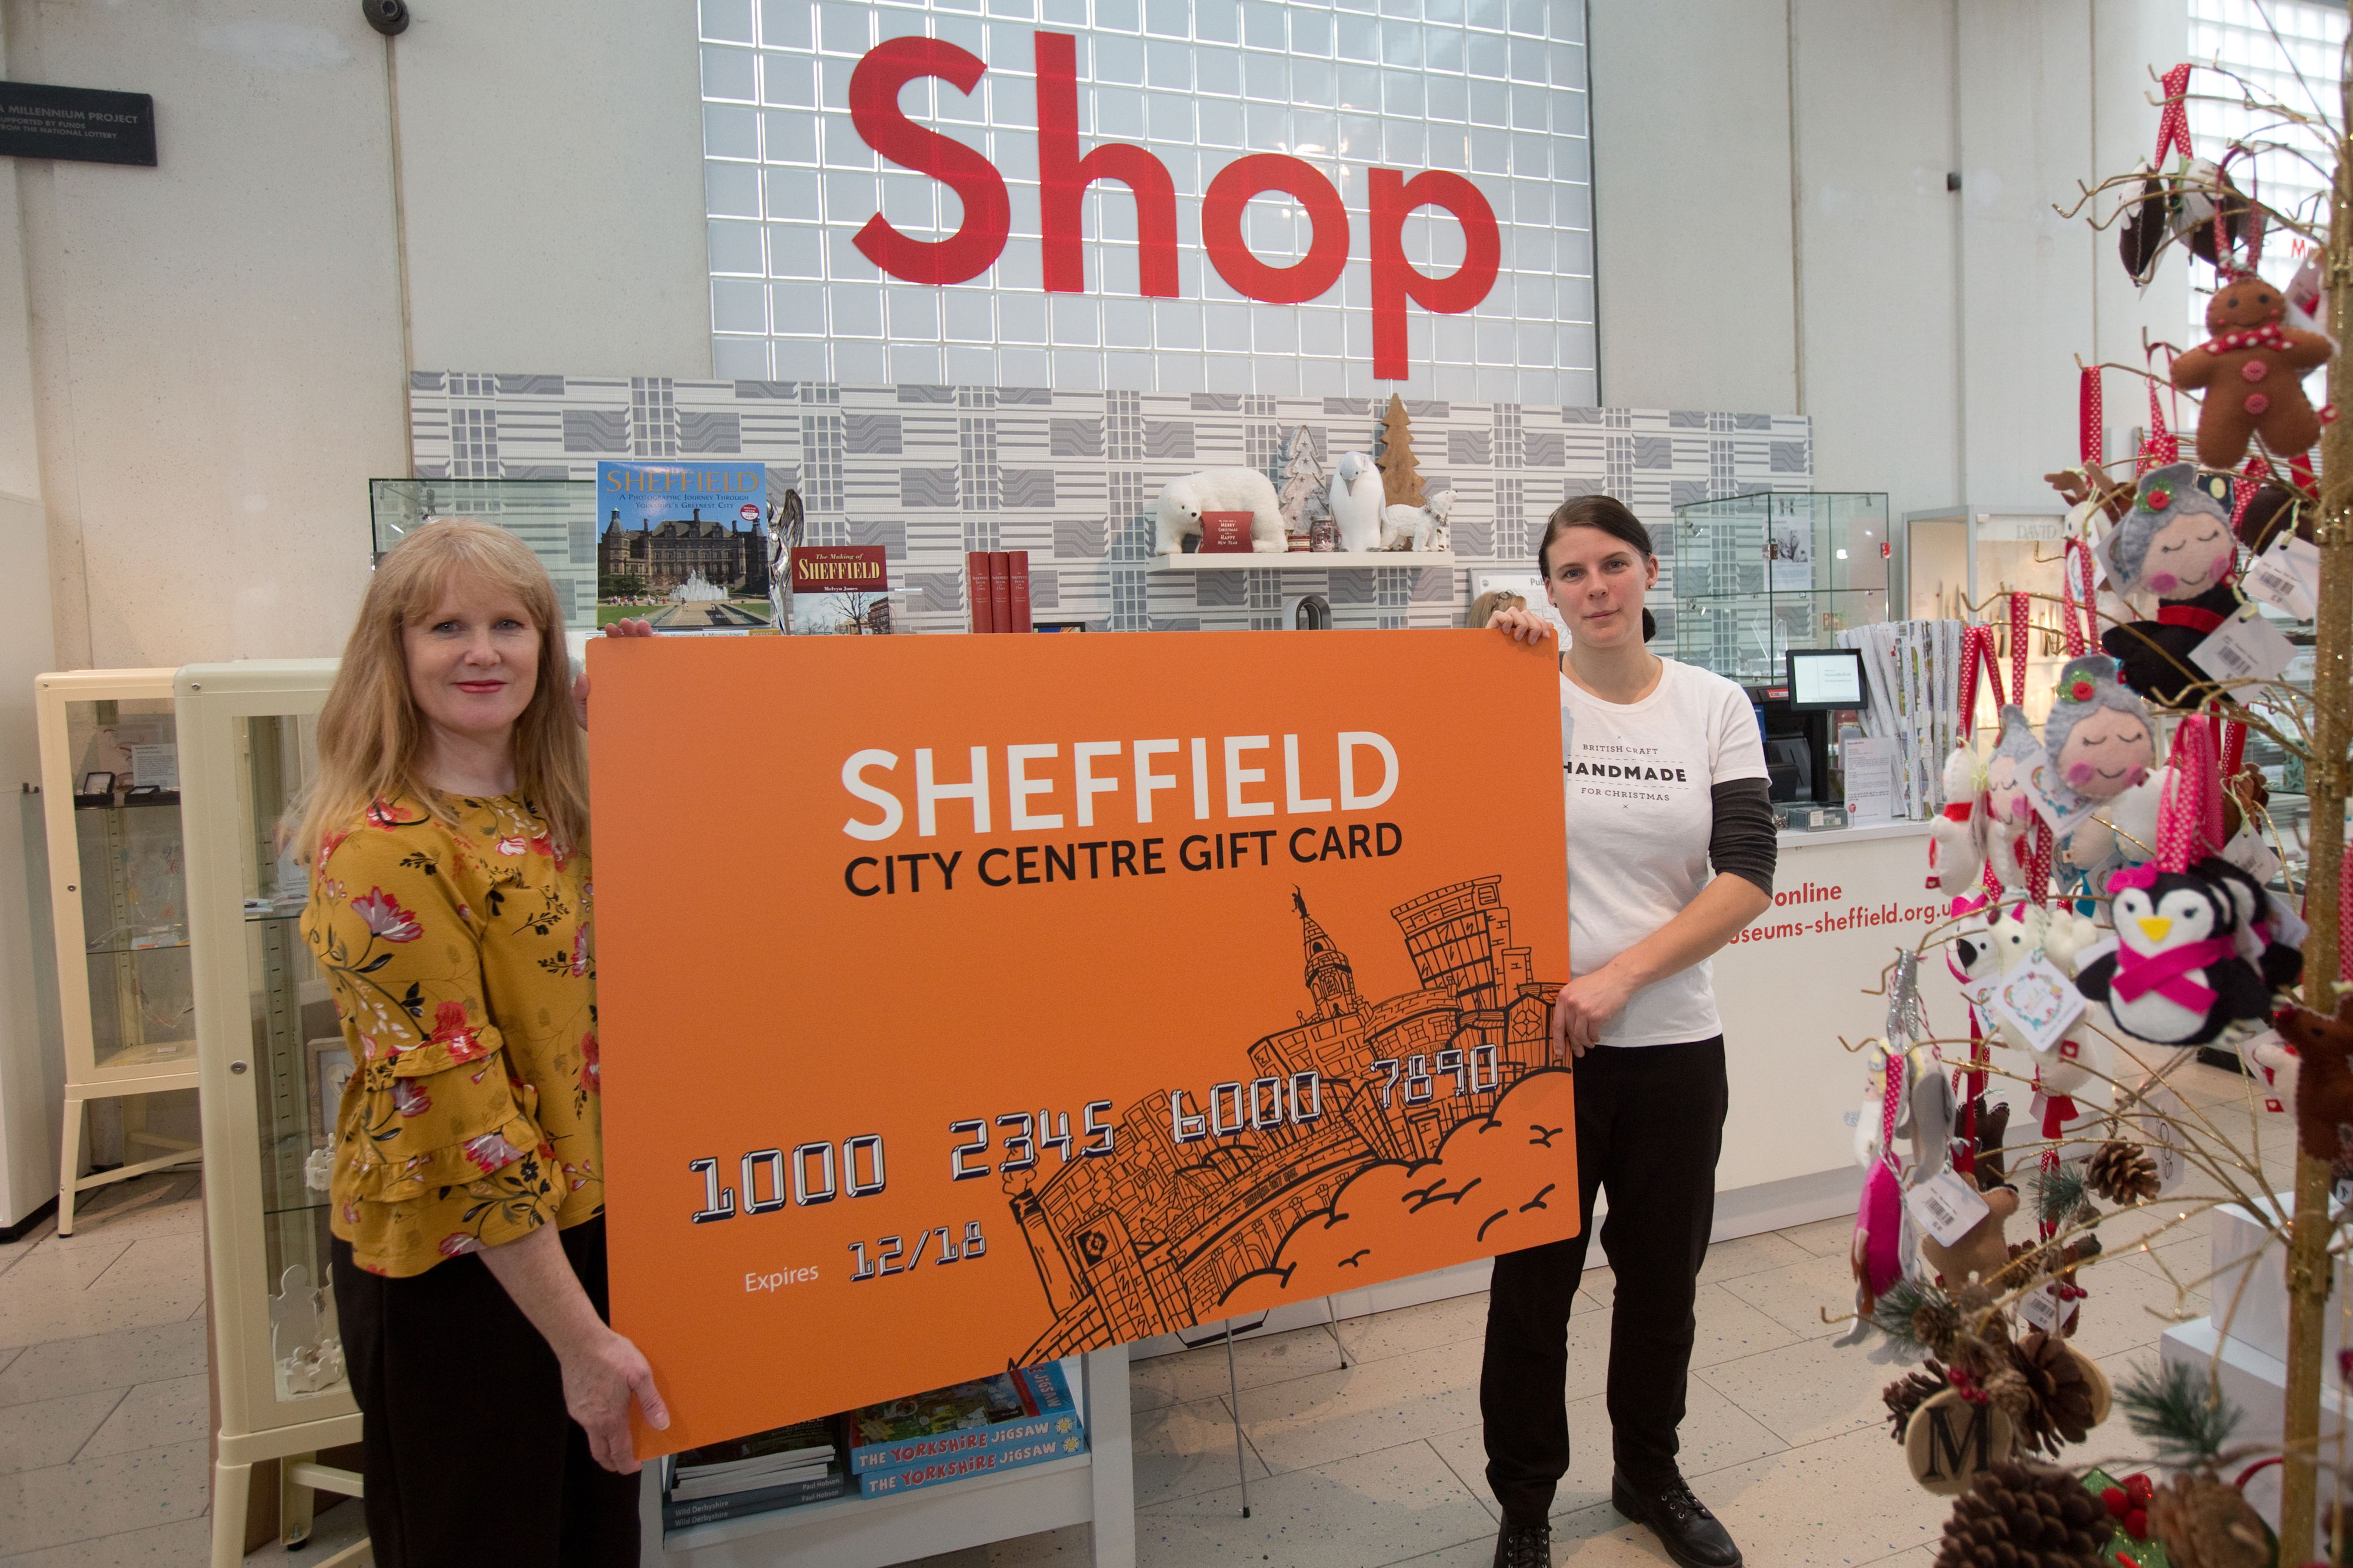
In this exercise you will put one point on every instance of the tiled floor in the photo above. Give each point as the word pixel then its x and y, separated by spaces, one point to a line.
pixel 103 1409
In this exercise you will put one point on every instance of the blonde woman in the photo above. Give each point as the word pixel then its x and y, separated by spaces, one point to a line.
pixel 448 834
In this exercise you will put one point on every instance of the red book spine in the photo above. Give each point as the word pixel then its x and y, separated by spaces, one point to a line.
pixel 976 587
pixel 1021 591
pixel 1000 591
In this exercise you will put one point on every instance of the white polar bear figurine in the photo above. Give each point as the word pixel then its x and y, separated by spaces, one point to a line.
pixel 1182 501
pixel 1355 499
pixel 1419 527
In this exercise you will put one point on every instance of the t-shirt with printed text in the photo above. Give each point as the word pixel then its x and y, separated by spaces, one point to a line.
pixel 1637 777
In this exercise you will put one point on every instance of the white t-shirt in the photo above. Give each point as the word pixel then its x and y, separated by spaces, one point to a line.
pixel 1637 778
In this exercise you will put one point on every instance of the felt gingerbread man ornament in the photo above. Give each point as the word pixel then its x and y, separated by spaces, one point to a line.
pixel 2251 370
pixel 2175 543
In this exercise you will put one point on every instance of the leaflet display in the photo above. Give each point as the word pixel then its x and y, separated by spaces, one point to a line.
pixel 1032 995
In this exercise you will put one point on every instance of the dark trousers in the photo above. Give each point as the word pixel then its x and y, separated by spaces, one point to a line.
pixel 468 1455
pixel 1649 1124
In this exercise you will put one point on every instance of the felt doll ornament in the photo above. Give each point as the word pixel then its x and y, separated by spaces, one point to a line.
pixel 2097 742
pixel 2007 807
pixel 2251 370
pixel 2175 543
pixel 2177 977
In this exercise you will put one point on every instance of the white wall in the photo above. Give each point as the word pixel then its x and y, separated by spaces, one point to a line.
pixel 1934 333
pixel 218 341
pixel 32 1072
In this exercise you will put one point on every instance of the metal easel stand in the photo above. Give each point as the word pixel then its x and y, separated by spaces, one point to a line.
pixel 1234 1391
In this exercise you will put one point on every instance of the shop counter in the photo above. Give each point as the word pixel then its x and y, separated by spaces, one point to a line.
pixel 1845 900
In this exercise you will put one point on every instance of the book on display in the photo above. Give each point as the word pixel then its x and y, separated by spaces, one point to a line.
pixel 801 1463
pixel 1010 1410
pixel 677 1515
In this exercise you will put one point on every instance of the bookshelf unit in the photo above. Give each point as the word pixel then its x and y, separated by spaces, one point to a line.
pixel 1096 1488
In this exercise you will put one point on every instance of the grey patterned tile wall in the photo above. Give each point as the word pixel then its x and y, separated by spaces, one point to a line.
pixel 930 472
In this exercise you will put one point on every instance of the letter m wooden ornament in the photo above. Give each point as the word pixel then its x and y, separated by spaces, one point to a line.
pixel 1950 1439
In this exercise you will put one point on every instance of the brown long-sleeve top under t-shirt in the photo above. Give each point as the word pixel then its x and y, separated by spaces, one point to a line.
pixel 459 956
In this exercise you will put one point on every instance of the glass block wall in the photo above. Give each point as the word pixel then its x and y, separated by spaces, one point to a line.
pixel 1491 90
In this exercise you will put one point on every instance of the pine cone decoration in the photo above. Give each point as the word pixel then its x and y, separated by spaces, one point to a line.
pixel 2026 1516
pixel 1905 1394
pixel 1934 1323
pixel 2122 1172
pixel 2206 1523
pixel 2059 1401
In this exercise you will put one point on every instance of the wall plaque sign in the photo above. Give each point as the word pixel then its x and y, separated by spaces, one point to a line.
pixel 87 124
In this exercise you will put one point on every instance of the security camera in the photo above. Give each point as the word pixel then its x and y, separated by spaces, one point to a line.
pixel 389 17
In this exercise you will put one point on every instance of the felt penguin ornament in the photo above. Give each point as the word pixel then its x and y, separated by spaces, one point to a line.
pixel 2269 927
pixel 2176 543
pixel 2177 977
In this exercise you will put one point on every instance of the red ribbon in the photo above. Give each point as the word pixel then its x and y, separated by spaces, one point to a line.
pixel 2089 439
pixel 2076 563
pixel 2018 648
pixel 2161 447
pixel 2058 1110
pixel 2173 123
pixel 2188 614
pixel 2167 973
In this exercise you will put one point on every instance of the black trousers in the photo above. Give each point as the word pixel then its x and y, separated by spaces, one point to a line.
pixel 1649 1124
pixel 468 1455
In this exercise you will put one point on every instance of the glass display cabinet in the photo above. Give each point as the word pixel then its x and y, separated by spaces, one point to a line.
pixel 110 809
pixel 1961 556
pixel 1758 574
pixel 272 1064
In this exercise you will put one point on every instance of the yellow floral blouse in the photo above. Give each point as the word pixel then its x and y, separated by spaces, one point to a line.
pixel 459 963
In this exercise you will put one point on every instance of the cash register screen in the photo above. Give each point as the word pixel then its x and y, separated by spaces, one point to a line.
pixel 1823 678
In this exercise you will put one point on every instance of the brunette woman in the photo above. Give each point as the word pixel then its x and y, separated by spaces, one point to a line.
pixel 1671 852
pixel 448 833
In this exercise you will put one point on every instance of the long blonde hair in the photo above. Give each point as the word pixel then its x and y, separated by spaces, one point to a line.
pixel 369 731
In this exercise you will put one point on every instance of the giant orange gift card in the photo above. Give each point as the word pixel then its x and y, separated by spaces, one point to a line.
pixel 967 1001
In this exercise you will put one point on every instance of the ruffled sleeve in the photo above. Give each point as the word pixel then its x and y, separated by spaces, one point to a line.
pixel 439 1146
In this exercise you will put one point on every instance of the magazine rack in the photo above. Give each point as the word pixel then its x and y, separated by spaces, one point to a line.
pixel 1096 1488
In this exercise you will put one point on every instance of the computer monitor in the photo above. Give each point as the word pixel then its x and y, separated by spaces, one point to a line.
pixel 1823 678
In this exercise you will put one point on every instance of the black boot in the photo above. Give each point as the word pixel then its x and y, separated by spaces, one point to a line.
pixel 1524 1546
pixel 1680 1521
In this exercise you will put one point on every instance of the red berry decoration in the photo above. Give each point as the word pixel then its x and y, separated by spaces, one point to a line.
pixel 2139 1488
pixel 2114 1500
pixel 2136 1524
pixel 2158 498
pixel 2081 691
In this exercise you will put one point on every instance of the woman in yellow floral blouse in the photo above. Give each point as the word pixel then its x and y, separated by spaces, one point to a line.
pixel 449 911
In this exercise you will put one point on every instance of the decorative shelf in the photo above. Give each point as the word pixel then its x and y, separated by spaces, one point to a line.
pixel 1304 561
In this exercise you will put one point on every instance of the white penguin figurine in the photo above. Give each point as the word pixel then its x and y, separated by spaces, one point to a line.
pixel 1355 499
